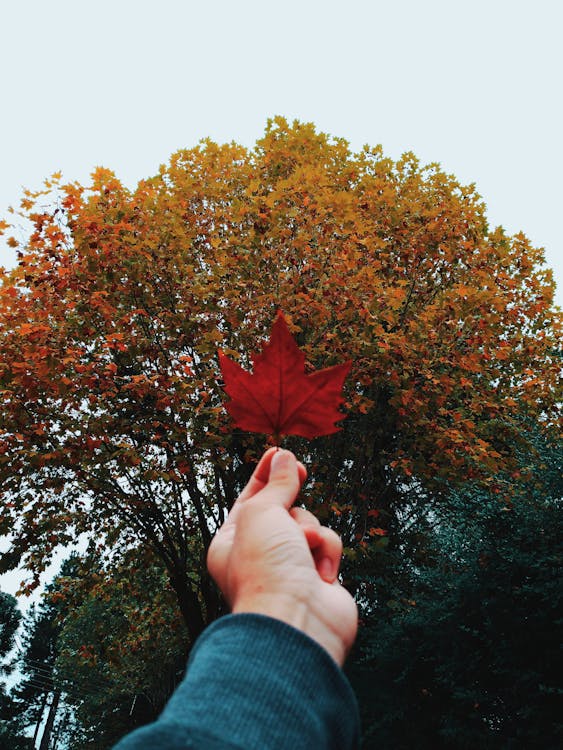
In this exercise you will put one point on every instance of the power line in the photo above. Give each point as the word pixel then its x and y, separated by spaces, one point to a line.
pixel 49 688
pixel 43 681
pixel 37 666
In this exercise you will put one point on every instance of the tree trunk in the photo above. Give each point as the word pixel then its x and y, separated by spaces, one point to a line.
pixel 189 604
pixel 215 605
pixel 46 738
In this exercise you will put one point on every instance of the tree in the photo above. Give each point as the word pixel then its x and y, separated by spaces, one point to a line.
pixel 121 649
pixel 37 696
pixel 102 653
pixel 11 737
pixel 111 416
pixel 465 653
pixel 10 618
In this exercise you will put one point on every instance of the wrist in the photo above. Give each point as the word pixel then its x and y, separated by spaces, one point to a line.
pixel 297 611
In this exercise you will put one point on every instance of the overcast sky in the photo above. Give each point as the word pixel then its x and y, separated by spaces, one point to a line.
pixel 473 85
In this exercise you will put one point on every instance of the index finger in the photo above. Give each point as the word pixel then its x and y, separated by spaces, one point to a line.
pixel 259 477
pixel 257 482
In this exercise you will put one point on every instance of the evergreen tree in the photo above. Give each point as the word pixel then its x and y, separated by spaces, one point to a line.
pixel 122 646
pixel 11 737
pixel 466 652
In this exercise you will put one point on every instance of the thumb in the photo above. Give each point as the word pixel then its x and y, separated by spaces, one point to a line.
pixel 284 481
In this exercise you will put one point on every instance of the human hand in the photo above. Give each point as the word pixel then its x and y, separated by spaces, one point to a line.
pixel 270 558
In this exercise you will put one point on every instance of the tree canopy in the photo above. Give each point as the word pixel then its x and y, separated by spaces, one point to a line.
pixel 111 406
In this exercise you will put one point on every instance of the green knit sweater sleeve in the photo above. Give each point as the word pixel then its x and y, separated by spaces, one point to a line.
pixel 255 683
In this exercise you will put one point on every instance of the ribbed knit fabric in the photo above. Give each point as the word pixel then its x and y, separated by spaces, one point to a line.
pixel 255 683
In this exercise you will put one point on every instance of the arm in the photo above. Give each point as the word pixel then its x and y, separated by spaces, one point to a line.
pixel 255 683
pixel 269 675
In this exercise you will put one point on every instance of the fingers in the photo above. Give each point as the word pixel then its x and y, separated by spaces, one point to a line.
pixel 277 479
pixel 326 548
pixel 324 543
pixel 304 517
pixel 282 466
pixel 284 480
pixel 259 477
pixel 261 474
pixel 259 480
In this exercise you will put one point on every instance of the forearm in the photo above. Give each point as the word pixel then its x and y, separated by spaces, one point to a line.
pixel 255 682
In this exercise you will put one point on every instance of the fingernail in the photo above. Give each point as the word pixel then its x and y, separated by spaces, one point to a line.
pixel 280 460
pixel 326 570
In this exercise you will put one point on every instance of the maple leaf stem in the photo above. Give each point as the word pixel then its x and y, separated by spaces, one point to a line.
pixel 275 440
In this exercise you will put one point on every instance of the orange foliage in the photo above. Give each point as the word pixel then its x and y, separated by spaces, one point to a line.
pixel 110 402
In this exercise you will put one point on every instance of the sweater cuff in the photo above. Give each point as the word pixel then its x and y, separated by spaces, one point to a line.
pixel 261 683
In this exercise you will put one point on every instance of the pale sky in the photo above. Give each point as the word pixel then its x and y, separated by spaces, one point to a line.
pixel 473 85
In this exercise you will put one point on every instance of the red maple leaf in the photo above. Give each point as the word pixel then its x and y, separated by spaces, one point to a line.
pixel 278 398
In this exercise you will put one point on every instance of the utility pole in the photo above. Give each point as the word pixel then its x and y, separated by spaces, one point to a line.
pixel 46 738
pixel 40 719
pixel 61 723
